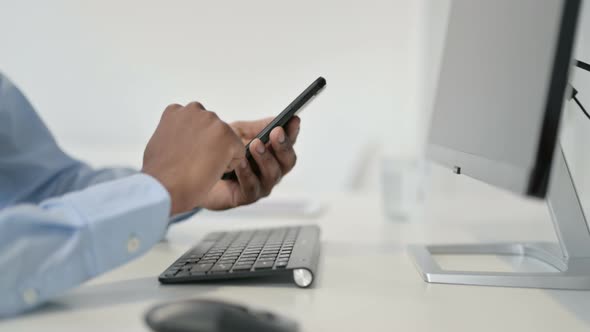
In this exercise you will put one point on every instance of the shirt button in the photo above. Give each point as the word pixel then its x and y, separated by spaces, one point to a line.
pixel 30 296
pixel 133 244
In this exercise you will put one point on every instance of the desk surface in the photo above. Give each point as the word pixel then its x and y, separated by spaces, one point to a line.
pixel 366 281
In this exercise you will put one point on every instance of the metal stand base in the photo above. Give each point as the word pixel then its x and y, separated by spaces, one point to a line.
pixel 571 256
pixel 573 273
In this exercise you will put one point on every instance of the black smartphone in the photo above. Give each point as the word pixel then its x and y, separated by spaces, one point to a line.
pixel 281 120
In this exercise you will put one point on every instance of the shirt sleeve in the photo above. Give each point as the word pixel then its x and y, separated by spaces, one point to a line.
pixel 48 248
pixel 33 167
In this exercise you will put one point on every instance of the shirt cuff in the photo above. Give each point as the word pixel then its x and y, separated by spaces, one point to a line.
pixel 183 216
pixel 125 218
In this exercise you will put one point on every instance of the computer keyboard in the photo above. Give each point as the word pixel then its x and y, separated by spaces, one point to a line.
pixel 250 253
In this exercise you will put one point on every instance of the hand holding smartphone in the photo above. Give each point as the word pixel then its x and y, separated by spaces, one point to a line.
pixel 281 120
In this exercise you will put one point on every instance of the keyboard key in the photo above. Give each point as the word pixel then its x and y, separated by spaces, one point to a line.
pixel 266 259
pixel 201 267
pixel 182 273
pixel 211 257
pixel 170 273
pixel 220 267
pixel 242 267
pixel 271 249
pixel 245 262
pixel 248 258
pixel 263 265
pixel 198 251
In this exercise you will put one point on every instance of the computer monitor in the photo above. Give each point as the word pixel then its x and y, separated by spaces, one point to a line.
pixel 501 89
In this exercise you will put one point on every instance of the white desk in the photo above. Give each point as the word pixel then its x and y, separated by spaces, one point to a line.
pixel 366 282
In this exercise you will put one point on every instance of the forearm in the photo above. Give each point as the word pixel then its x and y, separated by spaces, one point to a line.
pixel 60 243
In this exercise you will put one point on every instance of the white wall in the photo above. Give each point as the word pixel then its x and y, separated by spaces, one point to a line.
pixel 101 72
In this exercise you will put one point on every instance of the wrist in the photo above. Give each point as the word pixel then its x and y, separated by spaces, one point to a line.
pixel 166 189
pixel 182 199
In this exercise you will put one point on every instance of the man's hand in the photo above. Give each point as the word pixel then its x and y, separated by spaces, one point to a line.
pixel 188 153
pixel 274 160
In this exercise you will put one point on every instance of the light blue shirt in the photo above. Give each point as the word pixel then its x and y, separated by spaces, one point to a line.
pixel 62 222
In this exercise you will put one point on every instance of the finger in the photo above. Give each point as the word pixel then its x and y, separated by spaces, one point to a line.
pixel 249 129
pixel 283 149
pixel 195 105
pixel 170 109
pixel 270 170
pixel 250 185
pixel 292 129
pixel 238 152
pixel 235 147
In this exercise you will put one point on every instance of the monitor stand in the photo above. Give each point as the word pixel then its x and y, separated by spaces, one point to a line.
pixel 571 256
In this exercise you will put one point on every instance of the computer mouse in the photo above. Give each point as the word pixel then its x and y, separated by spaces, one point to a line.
pixel 214 316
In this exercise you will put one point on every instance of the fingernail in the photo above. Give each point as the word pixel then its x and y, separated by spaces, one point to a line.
pixel 243 163
pixel 282 137
pixel 260 147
